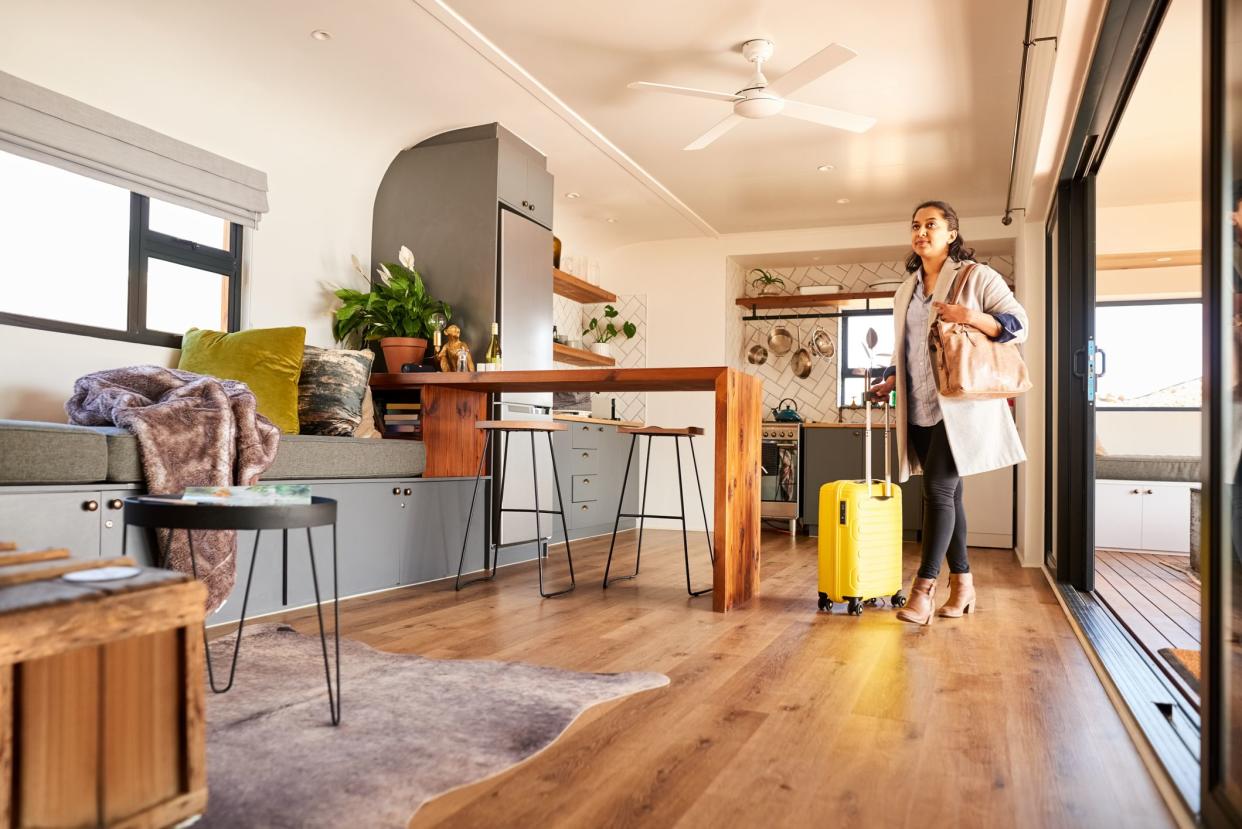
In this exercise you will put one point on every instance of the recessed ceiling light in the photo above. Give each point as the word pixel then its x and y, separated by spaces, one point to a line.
pixel 1164 259
pixel 320 34
pixel 611 221
pixel 843 201
pixel 815 258
pixel 825 168
pixel 572 195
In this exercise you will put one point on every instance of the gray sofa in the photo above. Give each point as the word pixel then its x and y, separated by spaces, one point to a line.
pixel 63 486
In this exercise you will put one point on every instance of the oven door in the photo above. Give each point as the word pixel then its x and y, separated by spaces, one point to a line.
pixel 779 481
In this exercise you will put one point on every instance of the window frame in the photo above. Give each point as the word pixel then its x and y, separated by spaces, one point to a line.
pixel 843 365
pixel 1113 303
pixel 146 244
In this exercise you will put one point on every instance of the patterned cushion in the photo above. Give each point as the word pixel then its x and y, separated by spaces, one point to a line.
pixel 330 390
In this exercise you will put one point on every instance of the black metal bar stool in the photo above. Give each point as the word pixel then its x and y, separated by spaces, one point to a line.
pixel 689 433
pixel 505 428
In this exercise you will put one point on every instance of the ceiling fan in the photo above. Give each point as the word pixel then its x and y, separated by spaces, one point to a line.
pixel 760 99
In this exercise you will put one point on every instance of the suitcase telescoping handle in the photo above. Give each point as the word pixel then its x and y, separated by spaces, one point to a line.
pixel 888 474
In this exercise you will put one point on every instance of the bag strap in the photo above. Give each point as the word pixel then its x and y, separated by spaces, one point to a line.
pixel 955 291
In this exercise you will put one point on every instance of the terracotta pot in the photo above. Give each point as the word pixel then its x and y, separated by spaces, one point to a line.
pixel 401 350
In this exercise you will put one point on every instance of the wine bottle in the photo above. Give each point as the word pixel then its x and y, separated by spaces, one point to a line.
pixel 493 348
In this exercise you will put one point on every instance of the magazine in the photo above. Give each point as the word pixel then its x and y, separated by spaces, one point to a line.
pixel 249 496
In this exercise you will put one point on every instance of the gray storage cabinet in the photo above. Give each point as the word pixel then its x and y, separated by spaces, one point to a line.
pixel 390 532
pixel 836 454
pixel 590 462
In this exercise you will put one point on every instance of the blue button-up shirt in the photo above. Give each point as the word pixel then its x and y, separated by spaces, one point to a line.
pixel 922 400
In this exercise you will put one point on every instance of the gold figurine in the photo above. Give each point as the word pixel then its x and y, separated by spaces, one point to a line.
pixel 453 347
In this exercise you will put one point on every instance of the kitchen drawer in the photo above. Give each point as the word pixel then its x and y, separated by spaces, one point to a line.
pixel 583 461
pixel 588 514
pixel 584 436
pixel 585 488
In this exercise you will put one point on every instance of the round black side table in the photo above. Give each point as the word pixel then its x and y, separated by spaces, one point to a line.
pixel 149 512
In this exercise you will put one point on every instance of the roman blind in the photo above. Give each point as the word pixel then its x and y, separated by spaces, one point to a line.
pixel 55 129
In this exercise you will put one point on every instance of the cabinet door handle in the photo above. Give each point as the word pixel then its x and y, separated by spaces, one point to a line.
pixel 525 203
pixel 1135 492
pixel 90 506
pixel 115 503
pixel 1149 492
pixel 586 454
pixel 586 428
pixel 531 207
pixel 407 491
pixel 584 508
pixel 586 481
pixel 396 490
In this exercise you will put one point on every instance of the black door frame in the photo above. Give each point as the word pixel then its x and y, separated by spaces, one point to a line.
pixel 1125 39
pixel 1220 807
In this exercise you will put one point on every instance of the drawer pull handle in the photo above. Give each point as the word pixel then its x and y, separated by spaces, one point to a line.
pixel 90 506
pixel 115 503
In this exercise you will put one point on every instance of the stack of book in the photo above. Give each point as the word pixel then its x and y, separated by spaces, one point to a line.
pixel 403 419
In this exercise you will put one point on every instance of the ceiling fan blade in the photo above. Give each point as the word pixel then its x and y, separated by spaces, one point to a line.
pixel 828 117
pixel 814 67
pixel 715 132
pixel 686 90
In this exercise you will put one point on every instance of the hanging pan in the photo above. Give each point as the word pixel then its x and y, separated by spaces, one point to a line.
pixel 800 362
pixel 822 344
pixel 756 355
pixel 780 341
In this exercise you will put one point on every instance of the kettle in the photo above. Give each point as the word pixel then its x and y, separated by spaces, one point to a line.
pixel 788 414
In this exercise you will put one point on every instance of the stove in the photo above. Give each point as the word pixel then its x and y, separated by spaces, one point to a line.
pixel 781 460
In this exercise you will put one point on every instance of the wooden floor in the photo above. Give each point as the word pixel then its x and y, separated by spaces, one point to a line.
pixel 778 716
pixel 1156 598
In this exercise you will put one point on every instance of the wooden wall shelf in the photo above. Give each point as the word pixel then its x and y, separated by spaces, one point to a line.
pixel 579 290
pixel 580 357
pixel 771 303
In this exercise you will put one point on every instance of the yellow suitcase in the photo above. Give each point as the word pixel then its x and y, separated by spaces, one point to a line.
pixel 860 537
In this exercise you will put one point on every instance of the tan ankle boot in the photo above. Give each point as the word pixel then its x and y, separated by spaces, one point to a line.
pixel 961 596
pixel 919 609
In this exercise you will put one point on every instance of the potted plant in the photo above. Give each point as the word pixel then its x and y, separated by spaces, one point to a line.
pixel 606 330
pixel 397 311
pixel 765 282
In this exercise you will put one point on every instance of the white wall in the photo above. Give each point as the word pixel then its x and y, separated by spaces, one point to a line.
pixel 691 314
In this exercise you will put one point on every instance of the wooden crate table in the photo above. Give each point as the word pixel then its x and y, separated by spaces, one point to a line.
pixel 101 696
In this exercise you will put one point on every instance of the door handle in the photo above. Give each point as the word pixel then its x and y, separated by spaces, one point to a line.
pixel 1103 355
pixel 1082 352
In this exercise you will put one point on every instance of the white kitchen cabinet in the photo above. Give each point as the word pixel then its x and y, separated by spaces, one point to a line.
pixel 988 498
pixel 1143 515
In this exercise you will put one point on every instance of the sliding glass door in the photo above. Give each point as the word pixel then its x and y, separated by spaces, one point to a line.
pixel 1222 418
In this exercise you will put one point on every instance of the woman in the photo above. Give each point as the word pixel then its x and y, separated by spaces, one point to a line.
pixel 944 438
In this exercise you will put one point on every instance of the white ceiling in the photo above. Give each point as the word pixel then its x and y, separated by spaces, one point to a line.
pixel 1155 154
pixel 940 77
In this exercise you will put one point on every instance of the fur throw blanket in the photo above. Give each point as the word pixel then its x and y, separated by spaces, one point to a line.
pixel 192 430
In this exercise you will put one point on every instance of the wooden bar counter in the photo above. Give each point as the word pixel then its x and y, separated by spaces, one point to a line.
pixel 453 401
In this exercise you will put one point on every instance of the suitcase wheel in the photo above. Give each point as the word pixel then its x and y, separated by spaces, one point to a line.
pixel 825 604
pixel 855 607
pixel 872 602
pixel 898 599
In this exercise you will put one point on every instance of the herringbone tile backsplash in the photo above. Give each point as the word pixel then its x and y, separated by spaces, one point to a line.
pixel 572 318
pixel 816 396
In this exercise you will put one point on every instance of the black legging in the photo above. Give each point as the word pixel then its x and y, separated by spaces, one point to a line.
pixel 944 517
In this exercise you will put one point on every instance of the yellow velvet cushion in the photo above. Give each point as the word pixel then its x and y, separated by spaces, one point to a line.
pixel 268 360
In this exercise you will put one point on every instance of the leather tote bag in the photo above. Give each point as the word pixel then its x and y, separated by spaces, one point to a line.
pixel 970 365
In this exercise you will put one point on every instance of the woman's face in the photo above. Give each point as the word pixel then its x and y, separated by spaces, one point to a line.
pixel 929 233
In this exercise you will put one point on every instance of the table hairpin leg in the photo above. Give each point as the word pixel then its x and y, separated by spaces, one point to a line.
pixel 241 623
pixel 334 701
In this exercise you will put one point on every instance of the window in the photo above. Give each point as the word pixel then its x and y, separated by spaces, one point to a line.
pixel 1153 354
pixel 854 364
pixel 81 256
